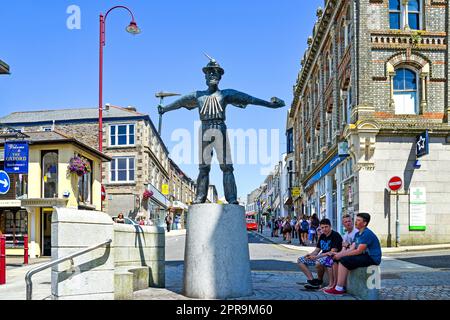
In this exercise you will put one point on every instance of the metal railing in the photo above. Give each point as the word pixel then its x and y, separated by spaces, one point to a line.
pixel 56 262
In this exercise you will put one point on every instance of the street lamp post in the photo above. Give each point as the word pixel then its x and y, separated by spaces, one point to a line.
pixel 133 29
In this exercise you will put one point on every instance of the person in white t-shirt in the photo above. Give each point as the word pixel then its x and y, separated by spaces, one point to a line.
pixel 348 243
pixel 350 232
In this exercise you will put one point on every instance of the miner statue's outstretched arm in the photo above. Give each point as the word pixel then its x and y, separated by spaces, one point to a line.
pixel 241 100
pixel 188 101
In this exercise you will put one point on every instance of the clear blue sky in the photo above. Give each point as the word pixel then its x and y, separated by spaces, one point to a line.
pixel 259 43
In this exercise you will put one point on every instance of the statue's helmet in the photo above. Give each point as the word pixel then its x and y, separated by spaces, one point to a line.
pixel 212 64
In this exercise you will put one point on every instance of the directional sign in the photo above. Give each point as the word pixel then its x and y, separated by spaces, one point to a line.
pixel 5 182
pixel 422 142
pixel 296 192
pixel 16 157
pixel 395 183
pixel 165 189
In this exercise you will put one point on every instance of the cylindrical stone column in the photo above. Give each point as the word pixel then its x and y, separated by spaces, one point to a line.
pixel 217 259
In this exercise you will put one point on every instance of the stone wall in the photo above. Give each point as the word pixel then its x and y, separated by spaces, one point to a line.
pixel 92 274
pixel 141 246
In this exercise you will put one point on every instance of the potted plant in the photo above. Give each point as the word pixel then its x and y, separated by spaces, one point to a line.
pixel 147 194
pixel 79 166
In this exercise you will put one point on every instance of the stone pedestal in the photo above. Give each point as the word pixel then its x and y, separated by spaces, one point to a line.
pixel 217 260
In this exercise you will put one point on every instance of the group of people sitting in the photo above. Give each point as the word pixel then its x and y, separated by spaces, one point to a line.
pixel 337 255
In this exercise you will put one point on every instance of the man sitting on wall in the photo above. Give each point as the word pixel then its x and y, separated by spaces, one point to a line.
pixel 329 241
pixel 348 243
pixel 367 252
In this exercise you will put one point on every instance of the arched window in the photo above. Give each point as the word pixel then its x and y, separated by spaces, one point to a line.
pixel 405 91
pixel 50 174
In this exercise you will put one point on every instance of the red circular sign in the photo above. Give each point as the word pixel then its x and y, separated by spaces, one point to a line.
pixel 395 183
pixel 103 193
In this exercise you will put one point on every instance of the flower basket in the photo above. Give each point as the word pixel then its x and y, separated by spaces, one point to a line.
pixel 147 194
pixel 79 166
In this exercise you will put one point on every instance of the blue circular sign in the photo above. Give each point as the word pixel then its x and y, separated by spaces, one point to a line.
pixel 5 182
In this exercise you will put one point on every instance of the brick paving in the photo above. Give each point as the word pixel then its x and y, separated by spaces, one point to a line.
pixel 266 286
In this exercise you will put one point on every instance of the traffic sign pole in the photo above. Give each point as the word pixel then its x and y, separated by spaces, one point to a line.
pixel 395 183
pixel 397 224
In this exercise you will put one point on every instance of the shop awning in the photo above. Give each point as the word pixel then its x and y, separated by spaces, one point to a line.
pixel 288 201
pixel 276 203
pixel 179 205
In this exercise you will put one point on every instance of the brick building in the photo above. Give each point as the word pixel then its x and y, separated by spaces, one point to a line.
pixel 373 78
pixel 140 160
pixel 4 67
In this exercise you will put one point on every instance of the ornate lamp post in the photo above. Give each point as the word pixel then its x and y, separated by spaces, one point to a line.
pixel 133 29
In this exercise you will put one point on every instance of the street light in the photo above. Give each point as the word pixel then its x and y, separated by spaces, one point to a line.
pixel 133 29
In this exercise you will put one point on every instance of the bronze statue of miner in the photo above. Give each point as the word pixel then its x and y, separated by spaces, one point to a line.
pixel 211 104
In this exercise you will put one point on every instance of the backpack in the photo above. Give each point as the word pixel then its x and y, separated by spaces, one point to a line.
pixel 305 225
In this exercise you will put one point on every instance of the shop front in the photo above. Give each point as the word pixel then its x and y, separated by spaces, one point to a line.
pixel 158 206
pixel 322 192
pixel 13 225
pixel 61 172
pixel 179 210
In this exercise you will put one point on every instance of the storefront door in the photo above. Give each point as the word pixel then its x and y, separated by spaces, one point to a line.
pixel 46 231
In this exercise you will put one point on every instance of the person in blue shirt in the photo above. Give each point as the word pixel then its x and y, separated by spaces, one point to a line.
pixel 367 252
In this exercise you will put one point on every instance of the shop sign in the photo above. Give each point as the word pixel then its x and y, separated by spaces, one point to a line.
pixel 16 157
pixel 417 209
pixel 325 170
pixel 422 144
pixel 343 149
pixel 165 189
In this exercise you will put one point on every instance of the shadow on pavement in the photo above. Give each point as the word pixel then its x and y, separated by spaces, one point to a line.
pixel 257 265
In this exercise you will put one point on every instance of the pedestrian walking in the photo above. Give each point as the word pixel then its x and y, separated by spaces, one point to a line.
pixel 168 220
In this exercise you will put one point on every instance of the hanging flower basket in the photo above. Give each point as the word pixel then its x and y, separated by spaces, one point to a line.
pixel 79 166
pixel 147 194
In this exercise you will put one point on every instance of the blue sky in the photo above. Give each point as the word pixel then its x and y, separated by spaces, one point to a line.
pixel 259 43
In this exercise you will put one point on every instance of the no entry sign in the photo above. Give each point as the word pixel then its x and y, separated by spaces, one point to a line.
pixel 395 183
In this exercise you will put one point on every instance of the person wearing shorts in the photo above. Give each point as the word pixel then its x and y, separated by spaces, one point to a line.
pixel 329 241
pixel 366 252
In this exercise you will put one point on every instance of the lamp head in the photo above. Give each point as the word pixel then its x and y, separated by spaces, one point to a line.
pixel 133 28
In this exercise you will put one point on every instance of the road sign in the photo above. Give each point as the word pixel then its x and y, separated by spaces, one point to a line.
pixel 422 142
pixel 5 182
pixel 16 157
pixel 103 193
pixel 296 192
pixel 395 183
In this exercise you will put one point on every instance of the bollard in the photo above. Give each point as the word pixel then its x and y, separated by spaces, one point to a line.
pixel 25 249
pixel 2 260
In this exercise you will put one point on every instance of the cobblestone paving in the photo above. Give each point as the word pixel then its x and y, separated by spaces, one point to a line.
pixel 266 286
pixel 416 286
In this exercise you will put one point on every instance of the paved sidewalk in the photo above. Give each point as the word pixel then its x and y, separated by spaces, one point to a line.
pixel 266 286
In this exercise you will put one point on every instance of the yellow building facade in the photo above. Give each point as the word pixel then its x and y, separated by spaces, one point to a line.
pixel 28 206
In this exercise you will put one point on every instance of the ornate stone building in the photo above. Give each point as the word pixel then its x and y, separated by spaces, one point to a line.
pixel 373 78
